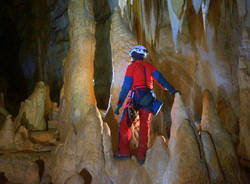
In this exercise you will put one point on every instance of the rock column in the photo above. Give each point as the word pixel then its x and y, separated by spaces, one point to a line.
pixel 79 65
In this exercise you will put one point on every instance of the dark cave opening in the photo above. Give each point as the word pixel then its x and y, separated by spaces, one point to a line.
pixel 12 81
pixel 3 178
pixel 40 164
pixel 103 60
pixel 86 176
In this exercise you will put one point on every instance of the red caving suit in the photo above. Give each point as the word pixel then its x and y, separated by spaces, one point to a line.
pixel 137 82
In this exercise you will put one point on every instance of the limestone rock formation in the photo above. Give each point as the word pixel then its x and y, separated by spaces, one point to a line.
pixel 7 134
pixel 53 124
pixel 81 121
pixel 48 103
pixel 20 168
pixel 31 112
pixel 223 143
pixel 244 148
pixel 45 137
pixel 22 140
pixel 75 179
pixel 82 150
pixel 157 160
pixel 185 163
pixel 244 85
pixel 46 179
pixel 229 120
pixel 208 36
pixel 79 66
pixel 211 157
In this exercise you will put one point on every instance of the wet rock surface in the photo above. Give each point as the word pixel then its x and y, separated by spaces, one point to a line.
pixel 183 145
pixel 222 141
pixel 157 160
pixel 212 160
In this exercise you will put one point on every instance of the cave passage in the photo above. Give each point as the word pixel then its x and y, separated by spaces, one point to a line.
pixel 103 60
pixel 12 81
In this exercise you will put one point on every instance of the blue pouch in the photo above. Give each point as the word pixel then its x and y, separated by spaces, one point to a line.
pixel 148 99
pixel 156 107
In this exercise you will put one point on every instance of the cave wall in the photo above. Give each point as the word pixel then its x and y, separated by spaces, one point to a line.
pixel 42 42
pixel 205 59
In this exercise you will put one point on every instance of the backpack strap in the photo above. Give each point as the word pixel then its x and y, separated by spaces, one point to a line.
pixel 145 75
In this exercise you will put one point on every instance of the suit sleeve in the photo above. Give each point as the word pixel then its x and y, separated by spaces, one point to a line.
pixel 158 77
pixel 126 86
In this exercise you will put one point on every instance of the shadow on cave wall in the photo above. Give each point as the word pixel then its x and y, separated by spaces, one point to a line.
pixel 12 81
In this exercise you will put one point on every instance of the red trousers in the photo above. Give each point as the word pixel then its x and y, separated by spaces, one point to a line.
pixel 125 133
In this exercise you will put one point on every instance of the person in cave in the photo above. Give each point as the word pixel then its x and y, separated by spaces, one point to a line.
pixel 138 85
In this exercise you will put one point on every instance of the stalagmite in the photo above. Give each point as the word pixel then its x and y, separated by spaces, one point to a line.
pixel 89 145
pixel 213 164
pixel 79 66
pixel 156 160
pixel 122 40
pixel 107 145
pixel 204 7
pixel 82 150
pixel 223 144
pixel 197 5
pixel 185 164
pixel 7 133
pixel 32 110
pixel 64 165
pixel 176 19
pixel 122 171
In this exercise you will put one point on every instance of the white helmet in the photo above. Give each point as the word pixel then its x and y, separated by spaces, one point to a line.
pixel 139 49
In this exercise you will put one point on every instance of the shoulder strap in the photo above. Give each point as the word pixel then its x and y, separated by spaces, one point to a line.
pixel 145 75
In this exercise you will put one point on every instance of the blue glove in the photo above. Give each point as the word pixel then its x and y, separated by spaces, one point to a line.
pixel 117 108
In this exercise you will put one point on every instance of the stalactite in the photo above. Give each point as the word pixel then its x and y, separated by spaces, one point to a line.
pixel 176 21
pixel 122 5
pixel 151 20
pixel 205 6
pixel 143 17
pixel 197 5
